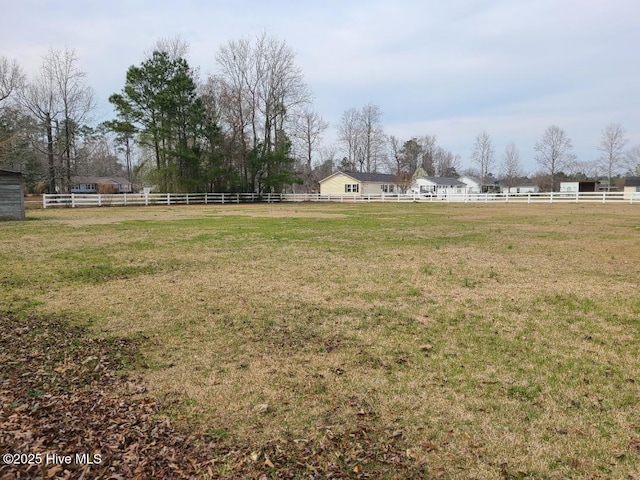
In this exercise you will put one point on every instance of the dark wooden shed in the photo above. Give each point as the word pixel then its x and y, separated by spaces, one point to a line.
pixel 11 195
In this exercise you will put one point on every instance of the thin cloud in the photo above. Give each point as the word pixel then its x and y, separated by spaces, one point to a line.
pixel 451 68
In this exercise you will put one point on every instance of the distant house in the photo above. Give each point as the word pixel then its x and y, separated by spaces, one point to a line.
pixel 90 184
pixel 437 186
pixel 359 183
pixel 631 186
pixel 11 195
pixel 522 188
pixel 472 184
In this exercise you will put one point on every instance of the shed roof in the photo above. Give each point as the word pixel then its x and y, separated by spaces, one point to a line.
pixel 9 172
pixel 632 182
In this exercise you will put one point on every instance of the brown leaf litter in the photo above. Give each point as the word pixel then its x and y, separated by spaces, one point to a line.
pixel 63 395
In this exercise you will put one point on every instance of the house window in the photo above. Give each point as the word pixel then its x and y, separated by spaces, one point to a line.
pixel 351 188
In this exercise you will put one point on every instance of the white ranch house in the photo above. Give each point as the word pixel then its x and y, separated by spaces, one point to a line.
pixel 437 186
pixel 89 184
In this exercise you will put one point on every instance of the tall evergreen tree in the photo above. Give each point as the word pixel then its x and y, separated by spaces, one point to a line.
pixel 160 98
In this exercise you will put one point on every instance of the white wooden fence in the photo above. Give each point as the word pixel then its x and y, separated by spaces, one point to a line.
pixel 130 199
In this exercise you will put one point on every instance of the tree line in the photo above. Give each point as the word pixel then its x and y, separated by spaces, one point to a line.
pixel 250 127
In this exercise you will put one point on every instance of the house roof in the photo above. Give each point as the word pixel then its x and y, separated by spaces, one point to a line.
pixel 447 181
pixel 469 177
pixel 632 182
pixel 92 179
pixel 367 177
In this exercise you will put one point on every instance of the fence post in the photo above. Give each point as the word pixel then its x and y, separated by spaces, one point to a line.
pixel 146 199
pixel 237 198
pixel 187 199
pixel 529 197
pixel 73 200
pixel 604 197
pixel 125 199
pixel 168 199
pixel 99 199
pixel 551 197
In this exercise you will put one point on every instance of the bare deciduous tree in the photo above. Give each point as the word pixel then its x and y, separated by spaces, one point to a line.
pixel 60 101
pixel 40 98
pixel 428 147
pixel 632 160
pixel 445 163
pixel 309 127
pixel 77 101
pixel 363 138
pixel 396 164
pixel 483 155
pixel 262 87
pixel 511 168
pixel 174 47
pixel 587 170
pixel 350 135
pixel 612 143
pixel 554 152
pixel 402 160
pixel 11 77
pixel 373 136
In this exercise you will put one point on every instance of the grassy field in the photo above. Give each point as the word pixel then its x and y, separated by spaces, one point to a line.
pixel 475 341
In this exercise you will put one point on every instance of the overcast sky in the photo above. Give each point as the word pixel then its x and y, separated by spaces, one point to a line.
pixel 447 68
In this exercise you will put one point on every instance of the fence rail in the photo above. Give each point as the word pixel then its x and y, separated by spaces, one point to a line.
pixel 131 199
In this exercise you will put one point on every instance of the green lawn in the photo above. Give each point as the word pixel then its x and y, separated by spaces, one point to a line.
pixel 472 341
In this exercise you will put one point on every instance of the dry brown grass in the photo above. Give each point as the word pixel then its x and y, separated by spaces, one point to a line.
pixel 488 340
